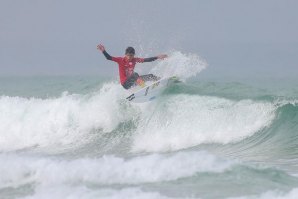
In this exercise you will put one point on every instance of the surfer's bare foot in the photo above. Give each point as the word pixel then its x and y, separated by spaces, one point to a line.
pixel 141 82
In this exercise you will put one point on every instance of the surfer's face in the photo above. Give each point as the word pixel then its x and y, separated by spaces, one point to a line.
pixel 129 56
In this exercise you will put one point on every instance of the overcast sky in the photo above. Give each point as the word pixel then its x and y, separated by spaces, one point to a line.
pixel 235 37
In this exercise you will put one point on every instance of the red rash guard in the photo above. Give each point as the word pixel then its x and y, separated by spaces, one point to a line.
pixel 126 68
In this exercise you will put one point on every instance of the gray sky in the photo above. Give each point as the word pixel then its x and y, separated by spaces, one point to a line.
pixel 235 37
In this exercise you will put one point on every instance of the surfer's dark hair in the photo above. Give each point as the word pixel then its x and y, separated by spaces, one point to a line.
pixel 130 50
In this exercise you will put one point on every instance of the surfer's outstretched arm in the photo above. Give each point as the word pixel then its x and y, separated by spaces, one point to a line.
pixel 109 57
pixel 150 59
pixel 103 50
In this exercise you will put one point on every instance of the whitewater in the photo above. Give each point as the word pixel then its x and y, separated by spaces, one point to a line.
pixel 77 137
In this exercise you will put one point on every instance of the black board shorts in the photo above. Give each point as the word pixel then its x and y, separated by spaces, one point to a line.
pixel 131 81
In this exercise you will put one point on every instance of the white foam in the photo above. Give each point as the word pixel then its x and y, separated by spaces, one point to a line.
pixel 293 194
pixel 59 121
pixel 75 192
pixel 184 121
pixel 17 170
pixel 180 64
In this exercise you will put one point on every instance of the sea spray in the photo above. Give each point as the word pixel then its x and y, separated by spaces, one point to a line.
pixel 181 65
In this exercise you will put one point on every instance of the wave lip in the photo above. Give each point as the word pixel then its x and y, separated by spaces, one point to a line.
pixel 61 121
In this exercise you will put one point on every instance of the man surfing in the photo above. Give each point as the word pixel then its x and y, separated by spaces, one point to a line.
pixel 129 78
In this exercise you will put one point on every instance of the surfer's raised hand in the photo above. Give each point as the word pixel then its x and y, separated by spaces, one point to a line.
pixel 162 56
pixel 101 47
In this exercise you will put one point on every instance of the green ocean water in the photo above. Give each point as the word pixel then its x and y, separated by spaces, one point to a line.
pixel 78 137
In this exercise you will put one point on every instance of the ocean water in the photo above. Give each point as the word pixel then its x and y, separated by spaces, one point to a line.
pixel 77 137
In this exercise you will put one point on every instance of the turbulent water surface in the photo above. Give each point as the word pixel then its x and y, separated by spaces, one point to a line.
pixel 77 137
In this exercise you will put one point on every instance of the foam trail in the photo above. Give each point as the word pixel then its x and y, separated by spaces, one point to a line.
pixel 16 170
pixel 63 191
pixel 185 120
pixel 293 194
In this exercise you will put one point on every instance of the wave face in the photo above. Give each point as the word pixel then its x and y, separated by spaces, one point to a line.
pixel 199 136
pixel 184 121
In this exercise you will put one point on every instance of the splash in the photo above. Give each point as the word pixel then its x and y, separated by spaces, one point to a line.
pixel 179 64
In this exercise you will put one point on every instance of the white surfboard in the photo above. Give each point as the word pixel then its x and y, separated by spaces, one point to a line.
pixel 151 91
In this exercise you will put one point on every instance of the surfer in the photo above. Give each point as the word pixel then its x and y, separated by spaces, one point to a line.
pixel 128 77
